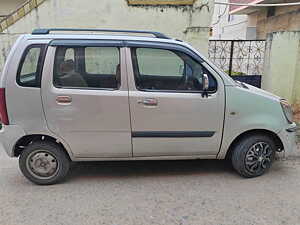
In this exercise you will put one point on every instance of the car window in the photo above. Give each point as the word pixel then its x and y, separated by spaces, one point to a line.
pixel 166 70
pixel 87 67
pixel 169 63
pixel 101 60
pixel 29 69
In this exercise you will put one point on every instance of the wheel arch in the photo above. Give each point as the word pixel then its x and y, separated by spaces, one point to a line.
pixel 27 139
pixel 273 135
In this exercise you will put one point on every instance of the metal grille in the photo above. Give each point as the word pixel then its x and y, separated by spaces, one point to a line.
pixel 238 57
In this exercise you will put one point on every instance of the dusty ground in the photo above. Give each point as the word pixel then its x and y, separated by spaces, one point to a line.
pixel 174 192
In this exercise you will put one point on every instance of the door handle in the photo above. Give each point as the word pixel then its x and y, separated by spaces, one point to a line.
pixel 148 102
pixel 63 99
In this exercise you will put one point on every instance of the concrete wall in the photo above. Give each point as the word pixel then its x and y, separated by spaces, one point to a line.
pixel 285 19
pixel 190 23
pixel 6 41
pixel 282 67
pixel 7 6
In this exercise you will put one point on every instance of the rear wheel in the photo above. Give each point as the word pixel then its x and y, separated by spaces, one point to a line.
pixel 253 155
pixel 44 163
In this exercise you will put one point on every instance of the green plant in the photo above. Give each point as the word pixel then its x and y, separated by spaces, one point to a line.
pixel 235 73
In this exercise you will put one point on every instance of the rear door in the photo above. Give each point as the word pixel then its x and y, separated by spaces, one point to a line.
pixel 85 97
pixel 170 114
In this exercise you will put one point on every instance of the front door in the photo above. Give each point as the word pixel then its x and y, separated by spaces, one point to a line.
pixel 85 97
pixel 170 115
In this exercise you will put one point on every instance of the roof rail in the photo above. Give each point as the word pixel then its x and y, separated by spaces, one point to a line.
pixel 48 30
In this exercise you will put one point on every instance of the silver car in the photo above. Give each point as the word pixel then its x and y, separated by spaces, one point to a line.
pixel 79 97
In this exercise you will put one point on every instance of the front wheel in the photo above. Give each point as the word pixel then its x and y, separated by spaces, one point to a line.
pixel 253 155
pixel 44 163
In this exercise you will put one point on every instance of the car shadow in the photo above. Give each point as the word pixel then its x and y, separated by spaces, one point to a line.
pixel 127 169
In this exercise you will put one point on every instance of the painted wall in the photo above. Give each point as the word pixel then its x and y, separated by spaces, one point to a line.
pixel 285 19
pixel 282 67
pixel 7 6
pixel 190 23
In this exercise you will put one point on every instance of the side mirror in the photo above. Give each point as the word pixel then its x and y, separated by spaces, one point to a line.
pixel 205 82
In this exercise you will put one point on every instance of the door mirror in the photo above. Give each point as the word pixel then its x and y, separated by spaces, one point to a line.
pixel 205 82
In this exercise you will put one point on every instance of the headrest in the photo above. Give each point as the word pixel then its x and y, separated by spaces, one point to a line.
pixel 67 66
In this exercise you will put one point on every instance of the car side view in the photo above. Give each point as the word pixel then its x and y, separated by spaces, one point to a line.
pixel 92 97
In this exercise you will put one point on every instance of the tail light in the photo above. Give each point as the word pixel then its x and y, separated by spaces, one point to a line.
pixel 3 110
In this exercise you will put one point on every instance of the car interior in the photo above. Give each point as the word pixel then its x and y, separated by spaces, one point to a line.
pixel 189 81
pixel 71 73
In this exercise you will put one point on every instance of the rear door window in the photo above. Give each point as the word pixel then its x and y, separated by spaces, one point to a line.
pixel 87 68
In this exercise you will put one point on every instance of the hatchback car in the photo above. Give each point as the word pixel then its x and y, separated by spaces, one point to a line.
pixel 87 97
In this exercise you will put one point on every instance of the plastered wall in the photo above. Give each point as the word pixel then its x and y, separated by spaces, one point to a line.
pixel 188 22
pixel 282 67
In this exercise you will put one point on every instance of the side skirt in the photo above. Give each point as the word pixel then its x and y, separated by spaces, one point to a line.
pixel 149 158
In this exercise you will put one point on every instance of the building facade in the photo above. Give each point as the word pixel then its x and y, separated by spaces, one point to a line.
pixel 188 20
pixel 249 22
pixel 266 20
pixel 226 26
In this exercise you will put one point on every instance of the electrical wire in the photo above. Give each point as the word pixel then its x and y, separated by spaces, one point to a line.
pixel 220 16
pixel 259 5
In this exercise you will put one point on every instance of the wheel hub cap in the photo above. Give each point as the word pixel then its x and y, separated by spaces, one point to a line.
pixel 258 157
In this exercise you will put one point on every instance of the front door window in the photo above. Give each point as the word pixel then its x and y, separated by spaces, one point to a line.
pixel 166 70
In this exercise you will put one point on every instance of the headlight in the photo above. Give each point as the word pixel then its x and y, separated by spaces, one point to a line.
pixel 287 110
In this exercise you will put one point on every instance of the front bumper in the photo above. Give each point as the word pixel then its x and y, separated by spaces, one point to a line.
pixel 9 135
pixel 288 138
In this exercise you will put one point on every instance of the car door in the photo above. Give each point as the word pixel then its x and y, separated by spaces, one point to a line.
pixel 170 114
pixel 85 97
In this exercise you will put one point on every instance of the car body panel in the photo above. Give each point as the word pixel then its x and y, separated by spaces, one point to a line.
pixel 96 123
pixel 250 109
pixel 24 104
pixel 181 112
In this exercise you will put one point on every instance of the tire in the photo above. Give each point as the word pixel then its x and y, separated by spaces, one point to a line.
pixel 253 155
pixel 44 163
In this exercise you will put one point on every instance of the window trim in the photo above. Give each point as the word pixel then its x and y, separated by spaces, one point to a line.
pixel 135 65
pixel 40 65
pixel 82 49
pixel 166 46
